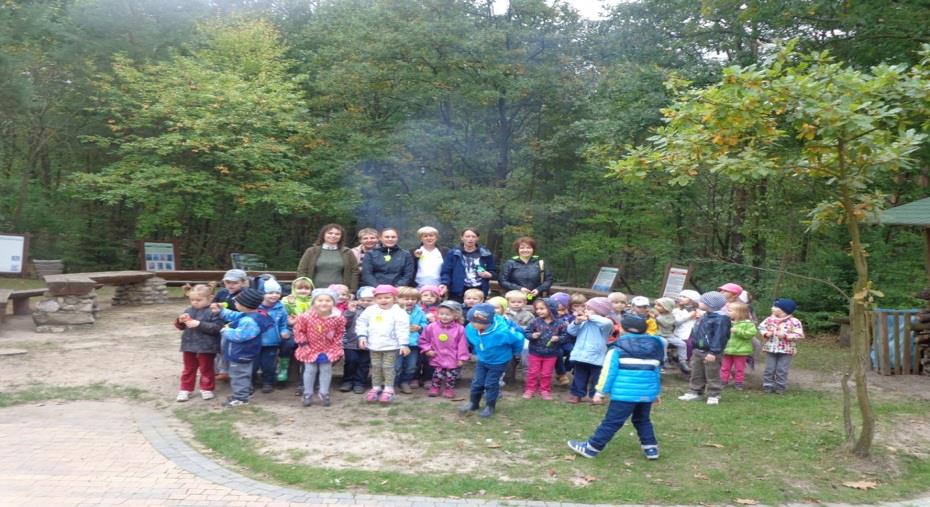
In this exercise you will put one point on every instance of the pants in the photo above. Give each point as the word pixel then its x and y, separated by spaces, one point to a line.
pixel 681 349
pixel 356 366
pixel 617 413
pixel 326 377
pixel 735 363
pixel 221 364
pixel 539 372
pixel 562 364
pixel 267 362
pixel 405 368
pixel 775 376
pixel 424 370
pixel 240 380
pixel 705 375
pixel 192 362
pixel 585 379
pixel 382 368
pixel 487 381
pixel 449 376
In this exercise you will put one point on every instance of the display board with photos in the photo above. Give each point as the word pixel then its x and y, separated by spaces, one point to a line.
pixel 159 256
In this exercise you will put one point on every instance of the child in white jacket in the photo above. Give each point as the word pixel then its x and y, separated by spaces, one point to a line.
pixel 384 329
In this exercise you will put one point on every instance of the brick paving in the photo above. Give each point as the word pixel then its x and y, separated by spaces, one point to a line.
pixel 102 453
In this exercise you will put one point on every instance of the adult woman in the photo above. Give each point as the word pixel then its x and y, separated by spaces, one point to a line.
pixel 525 271
pixel 467 266
pixel 387 264
pixel 328 261
pixel 428 258
pixel 367 240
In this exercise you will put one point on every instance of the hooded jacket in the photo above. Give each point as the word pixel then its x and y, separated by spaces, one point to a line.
pixel 551 334
pixel 388 266
pixel 383 330
pixel 632 369
pixel 591 339
pixel 203 339
pixel 317 335
pixel 448 342
pixel 711 333
pixel 294 304
pixel 497 343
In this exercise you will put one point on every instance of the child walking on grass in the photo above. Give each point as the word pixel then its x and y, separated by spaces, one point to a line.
pixel 383 329
pixel 444 344
pixel 739 346
pixel 780 333
pixel 318 334
pixel 495 343
pixel 200 342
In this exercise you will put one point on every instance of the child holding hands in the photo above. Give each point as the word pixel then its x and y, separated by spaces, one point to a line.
pixel 444 344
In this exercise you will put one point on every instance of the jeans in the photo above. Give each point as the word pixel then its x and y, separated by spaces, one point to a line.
pixel 192 362
pixel 221 364
pixel 326 377
pixel 356 367
pixel 705 375
pixel 382 369
pixel 539 373
pixel 487 381
pixel 405 368
pixel 775 376
pixel 267 362
pixel 240 380
pixel 563 365
pixel 735 363
pixel 617 413
pixel 585 379
pixel 681 349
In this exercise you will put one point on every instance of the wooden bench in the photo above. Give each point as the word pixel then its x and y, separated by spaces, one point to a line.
pixel 20 299
pixel 76 284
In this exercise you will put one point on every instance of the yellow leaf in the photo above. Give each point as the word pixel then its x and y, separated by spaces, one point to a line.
pixel 861 484
pixel 746 501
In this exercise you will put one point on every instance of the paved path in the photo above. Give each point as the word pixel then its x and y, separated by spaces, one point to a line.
pixel 103 453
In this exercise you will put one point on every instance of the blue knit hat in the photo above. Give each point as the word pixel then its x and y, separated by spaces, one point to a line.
pixel 322 292
pixel 561 298
pixel 713 300
pixel 481 314
pixel 786 305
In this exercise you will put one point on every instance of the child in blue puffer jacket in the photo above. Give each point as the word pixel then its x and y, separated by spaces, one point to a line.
pixel 631 376
pixel 495 343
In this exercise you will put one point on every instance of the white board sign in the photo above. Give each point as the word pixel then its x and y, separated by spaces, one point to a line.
pixel 12 253
pixel 605 279
pixel 675 280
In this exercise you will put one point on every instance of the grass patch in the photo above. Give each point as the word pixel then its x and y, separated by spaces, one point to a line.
pixel 21 283
pixel 821 353
pixel 97 391
pixel 772 449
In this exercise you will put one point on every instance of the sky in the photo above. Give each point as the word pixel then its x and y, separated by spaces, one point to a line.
pixel 590 9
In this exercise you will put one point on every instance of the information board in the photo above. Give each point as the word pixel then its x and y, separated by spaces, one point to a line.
pixel 12 253
pixel 605 279
pixel 676 279
pixel 159 257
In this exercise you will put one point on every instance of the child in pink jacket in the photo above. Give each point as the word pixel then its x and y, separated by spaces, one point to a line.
pixel 444 343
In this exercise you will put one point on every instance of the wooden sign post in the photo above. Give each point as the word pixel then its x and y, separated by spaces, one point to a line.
pixel 605 279
pixel 675 281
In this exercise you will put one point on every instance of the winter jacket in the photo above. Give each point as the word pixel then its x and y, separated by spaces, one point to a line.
pixel 779 336
pixel 242 336
pixel 496 344
pixel 271 337
pixel 551 336
pixel 453 270
pixel 203 339
pixel 382 329
pixel 307 266
pixel 711 333
pixel 741 335
pixel 447 341
pixel 388 266
pixel 349 338
pixel 418 318
pixel 317 335
pixel 523 318
pixel 683 323
pixel 591 339
pixel 665 325
pixel 226 299
pixel 632 369
pixel 516 274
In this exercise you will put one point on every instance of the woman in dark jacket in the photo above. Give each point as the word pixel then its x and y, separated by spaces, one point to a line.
pixel 328 261
pixel 526 272
pixel 388 264
pixel 467 266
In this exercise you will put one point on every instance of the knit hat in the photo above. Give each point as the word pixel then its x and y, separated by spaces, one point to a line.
pixel 600 306
pixel 502 302
pixel 632 323
pixel 561 298
pixel 713 300
pixel 786 305
pixel 385 289
pixel 365 292
pixel 249 298
pixel 731 287
pixel 693 295
pixel 235 275
pixel 322 292
pixel 455 306
pixel 338 288
pixel 429 288
pixel 482 313
pixel 667 303
pixel 553 307
pixel 271 286
pixel 640 301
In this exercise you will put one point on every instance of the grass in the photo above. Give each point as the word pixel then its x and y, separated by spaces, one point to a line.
pixel 97 391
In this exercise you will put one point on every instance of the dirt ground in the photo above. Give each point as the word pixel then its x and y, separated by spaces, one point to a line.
pixel 138 347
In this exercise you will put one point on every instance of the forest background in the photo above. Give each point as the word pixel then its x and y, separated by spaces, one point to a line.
pixel 244 125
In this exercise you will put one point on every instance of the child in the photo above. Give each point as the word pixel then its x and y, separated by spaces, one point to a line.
pixel 271 339
pixel 517 310
pixel 296 303
pixel 470 298
pixel 739 346
pixel 619 301
pixel 665 323
pixel 242 343
pixel 591 329
pixel 545 335
pixel 233 282
pixel 577 304
pixel 686 314
pixel 444 344
pixel 640 308
pixel 632 380
pixel 318 334
pixel 709 338
pixel 343 296
pixel 406 366
pixel 562 366
pixel 429 301
pixel 500 306
pixel 200 343
pixel 357 360
pixel 780 331
pixel 495 343
pixel 383 329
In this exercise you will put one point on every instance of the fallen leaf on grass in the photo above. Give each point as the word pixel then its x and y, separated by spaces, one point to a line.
pixel 861 484
pixel 715 446
pixel 551 472
pixel 701 477
pixel 583 480
pixel 746 501
pixel 384 482
pixel 494 446
pixel 569 457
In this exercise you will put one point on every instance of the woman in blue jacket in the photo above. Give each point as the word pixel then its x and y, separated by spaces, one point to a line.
pixel 469 266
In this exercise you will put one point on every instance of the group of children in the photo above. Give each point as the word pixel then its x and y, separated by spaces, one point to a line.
pixel 404 337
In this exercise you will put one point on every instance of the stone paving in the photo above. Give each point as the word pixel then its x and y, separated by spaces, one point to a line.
pixel 108 453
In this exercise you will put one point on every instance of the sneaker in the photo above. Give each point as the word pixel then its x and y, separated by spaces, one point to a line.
pixel 235 403
pixel 433 391
pixel 689 397
pixel 573 399
pixel 684 368
pixel 207 395
pixel 299 391
pixel 779 391
pixel 583 448
pixel 713 400
pixel 449 393
pixel 267 388
pixel 598 402
pixel 373 395
pixel 183 396
pixel 308 400
pixel 386 397
pixel 358 389
pixel 768 389
pixel 651 451
pixel 326 399
pixel 345 387
pixel 222 376
pixel 528 395
pixel 405 388
pixel 546 395
pixel 502 383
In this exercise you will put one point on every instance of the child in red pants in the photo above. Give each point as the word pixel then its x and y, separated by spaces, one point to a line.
pixel 200 342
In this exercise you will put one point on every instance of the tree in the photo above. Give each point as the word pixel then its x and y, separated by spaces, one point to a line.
pixel 812 120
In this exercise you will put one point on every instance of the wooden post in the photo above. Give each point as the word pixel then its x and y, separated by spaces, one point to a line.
pixel 884 366
pixel 927 248
pixel 909 368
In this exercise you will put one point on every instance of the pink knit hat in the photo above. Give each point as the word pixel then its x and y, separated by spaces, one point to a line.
pixel 429 288
pixel 386 289
pixel 600 306
pixel 731 287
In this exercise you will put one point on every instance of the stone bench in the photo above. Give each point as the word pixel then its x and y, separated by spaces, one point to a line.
pixel 20 300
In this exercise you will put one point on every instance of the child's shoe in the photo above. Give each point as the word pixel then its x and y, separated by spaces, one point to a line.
pixel 713 400
pixel 222 376
pixel 583 448
pixel 183 396
pixel 358 389
pixel 472 404
pixel 573 399
pixel 308 400
pixel 546 395
pixel 405 388
pixel 235 403
pixel 373 395
pixel 386 397
pixel 689 396
pixel 267 388
pixel 528 395
pixel 299 391
pixel 433 391
pixel 414 384
pixel 326 399
pixel 563 379
pixel 345 387
pixel 207 395
pixel 596 402
pixel 651 451
pixel 488 410
pixel 283 365
pixel 449 393
pixel 684 368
